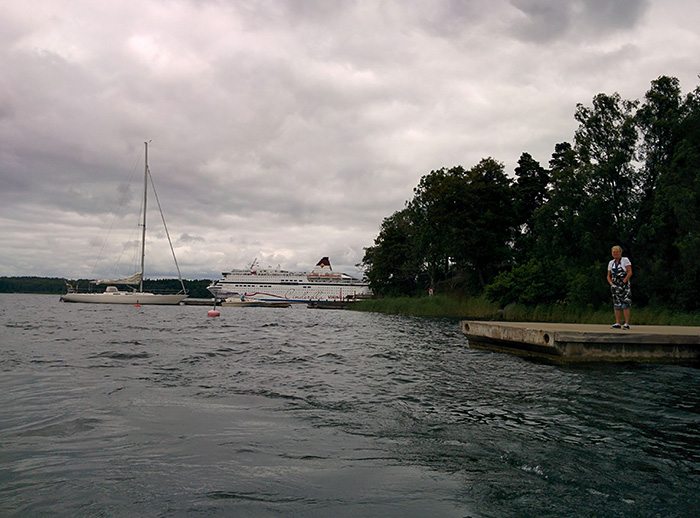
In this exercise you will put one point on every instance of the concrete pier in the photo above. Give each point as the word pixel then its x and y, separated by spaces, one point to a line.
pixel 574 343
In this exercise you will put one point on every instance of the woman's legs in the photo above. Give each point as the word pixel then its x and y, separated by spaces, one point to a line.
pixel 618 315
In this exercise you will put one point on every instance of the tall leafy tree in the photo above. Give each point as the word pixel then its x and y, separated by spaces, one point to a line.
pixel 530 189
pixel 530 192
pixel 552 268
pixel 485 224
pixel 393 264
pixel 659 121
pixel 686 164
pixel 673 265
pixel 606 143
pixel 438 209
pixel 556 223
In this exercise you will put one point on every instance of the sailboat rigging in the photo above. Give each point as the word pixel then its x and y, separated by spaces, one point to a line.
pixel 113 295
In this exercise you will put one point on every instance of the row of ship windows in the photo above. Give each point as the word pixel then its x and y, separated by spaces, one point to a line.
pixel 296 281
pixel 262 286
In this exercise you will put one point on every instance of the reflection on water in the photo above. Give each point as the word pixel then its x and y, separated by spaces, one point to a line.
pixel 116 410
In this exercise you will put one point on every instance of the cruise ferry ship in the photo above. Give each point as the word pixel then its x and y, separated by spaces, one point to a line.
pixel 274 284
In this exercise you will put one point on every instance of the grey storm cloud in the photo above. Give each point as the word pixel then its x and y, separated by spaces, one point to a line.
pixel 288 130
pixel 544 20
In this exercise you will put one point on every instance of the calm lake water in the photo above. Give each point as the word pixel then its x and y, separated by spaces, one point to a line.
pixel 161 411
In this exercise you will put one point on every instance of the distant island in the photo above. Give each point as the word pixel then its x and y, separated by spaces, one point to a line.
pixel 57 286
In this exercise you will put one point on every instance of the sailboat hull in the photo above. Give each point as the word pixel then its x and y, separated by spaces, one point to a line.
pixel 124 297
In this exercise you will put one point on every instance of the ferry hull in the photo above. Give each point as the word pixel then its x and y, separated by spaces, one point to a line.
pixel 292 296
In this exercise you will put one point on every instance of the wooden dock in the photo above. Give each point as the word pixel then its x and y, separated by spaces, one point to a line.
pixel 574 343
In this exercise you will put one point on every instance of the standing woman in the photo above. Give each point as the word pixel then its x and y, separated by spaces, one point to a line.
pixel 619 273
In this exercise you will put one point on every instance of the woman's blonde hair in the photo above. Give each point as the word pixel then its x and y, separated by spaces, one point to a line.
pixel 616 248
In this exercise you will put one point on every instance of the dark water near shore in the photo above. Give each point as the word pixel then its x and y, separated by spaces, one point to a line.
pixel 161 411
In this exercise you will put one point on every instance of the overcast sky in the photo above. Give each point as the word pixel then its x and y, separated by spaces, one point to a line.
pixel 287 130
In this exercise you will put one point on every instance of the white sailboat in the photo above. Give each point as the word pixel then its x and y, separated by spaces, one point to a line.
pixel 112 294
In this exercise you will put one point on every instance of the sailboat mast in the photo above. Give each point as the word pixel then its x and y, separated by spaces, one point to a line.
pixel 143 224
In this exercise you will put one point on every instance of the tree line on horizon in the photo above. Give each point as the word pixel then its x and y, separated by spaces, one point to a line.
pixel 196 288
pixel 629 177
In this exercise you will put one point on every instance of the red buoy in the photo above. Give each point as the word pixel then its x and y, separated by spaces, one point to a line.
pixel 213 313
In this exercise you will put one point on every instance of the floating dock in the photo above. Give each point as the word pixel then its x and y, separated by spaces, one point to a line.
pixel 189 301
pixel 255 304
pixel 329 304
pixel 576 343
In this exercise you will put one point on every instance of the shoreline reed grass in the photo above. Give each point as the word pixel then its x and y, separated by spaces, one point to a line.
pixel 479 308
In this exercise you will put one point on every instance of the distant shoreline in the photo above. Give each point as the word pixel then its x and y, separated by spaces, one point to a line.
pixel 57 285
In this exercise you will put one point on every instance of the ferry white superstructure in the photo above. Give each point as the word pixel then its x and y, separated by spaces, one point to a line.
pixel 274 284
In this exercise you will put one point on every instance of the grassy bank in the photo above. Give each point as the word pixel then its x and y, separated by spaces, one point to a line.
pixel 437 306
pixel 478 308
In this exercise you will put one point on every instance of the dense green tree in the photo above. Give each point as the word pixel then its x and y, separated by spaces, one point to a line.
pixel 557 264
pixel 464 222
pixel 686 203
pixel 438 211
pixel 673 238
pixel 393 264
pixel 484 227
pixel 605 144
pixel 659 121
pixel 457 226
pixel 530 192
pixel 556 226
